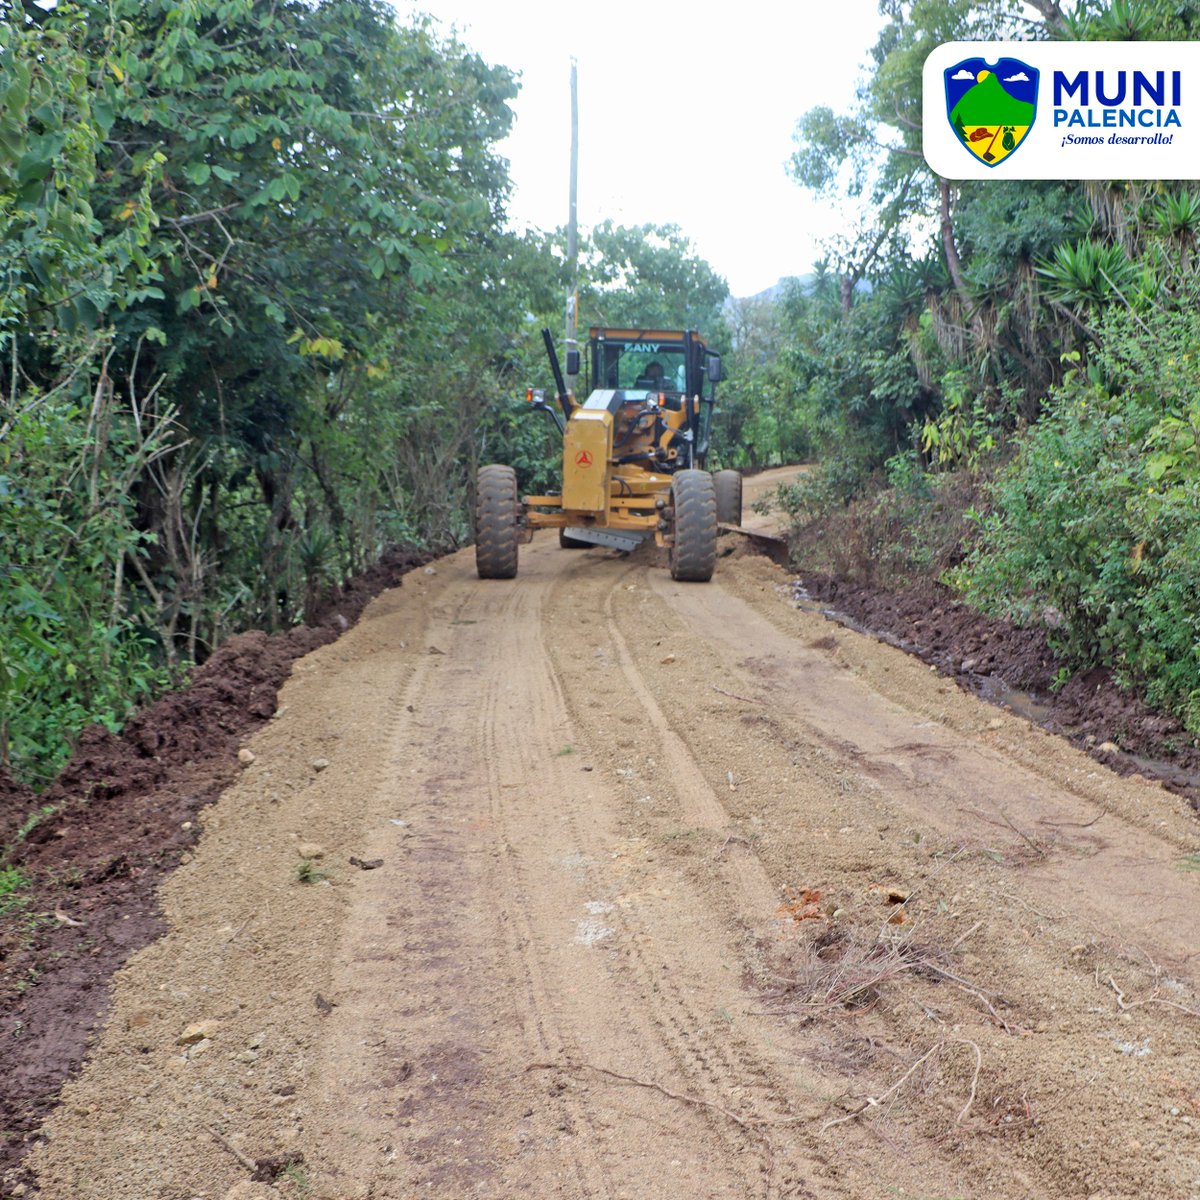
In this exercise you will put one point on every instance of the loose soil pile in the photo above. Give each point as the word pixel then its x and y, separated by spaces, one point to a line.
pixel 98 841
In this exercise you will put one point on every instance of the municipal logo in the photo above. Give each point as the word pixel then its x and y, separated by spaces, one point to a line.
pixel 991 107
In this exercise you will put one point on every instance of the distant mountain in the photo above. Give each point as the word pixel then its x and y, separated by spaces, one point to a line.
pixel 776 290
pixel 987 103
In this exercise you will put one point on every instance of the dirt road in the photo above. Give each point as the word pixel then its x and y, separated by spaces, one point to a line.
pixel 616 887
pixel 762 487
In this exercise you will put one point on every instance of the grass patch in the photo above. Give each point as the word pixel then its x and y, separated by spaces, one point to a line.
pixel 306 872
pixel 13 895
pixel 294 1174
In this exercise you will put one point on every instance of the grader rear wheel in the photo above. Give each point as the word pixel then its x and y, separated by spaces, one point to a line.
pixel 728 485
pixel 694 506
pixel 496 513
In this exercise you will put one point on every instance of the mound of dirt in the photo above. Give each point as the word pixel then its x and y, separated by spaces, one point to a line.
pixel 1019 669
pixel 97 842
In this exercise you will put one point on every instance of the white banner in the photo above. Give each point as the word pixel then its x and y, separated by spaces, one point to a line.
pixel 1063 110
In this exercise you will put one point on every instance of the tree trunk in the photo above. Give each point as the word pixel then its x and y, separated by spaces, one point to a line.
pixel 846 286
pixel 953 262
pixel 1051 11
pixel 851 280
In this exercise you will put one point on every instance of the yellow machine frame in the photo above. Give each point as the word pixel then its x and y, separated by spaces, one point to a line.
pixel 626 491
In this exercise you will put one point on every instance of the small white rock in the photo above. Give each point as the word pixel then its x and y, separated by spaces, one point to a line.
pixel 319 764
pixel 246 757
pixel 311 850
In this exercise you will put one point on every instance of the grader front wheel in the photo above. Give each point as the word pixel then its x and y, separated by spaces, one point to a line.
pixel 694 507
pixel 496 514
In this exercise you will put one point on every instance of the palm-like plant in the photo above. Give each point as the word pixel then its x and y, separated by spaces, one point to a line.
pixel 1118 21
pixel 1177 218
pixel 1086 273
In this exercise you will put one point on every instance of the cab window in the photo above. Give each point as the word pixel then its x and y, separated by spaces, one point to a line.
pixel 643 366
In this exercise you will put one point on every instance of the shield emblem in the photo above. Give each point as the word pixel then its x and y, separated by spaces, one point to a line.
pixel 991 107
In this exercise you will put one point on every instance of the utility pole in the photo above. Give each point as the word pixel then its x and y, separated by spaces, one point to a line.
pixel 573 225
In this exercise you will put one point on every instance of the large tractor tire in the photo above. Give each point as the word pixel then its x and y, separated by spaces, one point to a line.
pixel 728 485
pixel 496 513
pixel 694 505
pixel 567 542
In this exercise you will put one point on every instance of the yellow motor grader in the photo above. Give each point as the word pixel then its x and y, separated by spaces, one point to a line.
pixel 633 458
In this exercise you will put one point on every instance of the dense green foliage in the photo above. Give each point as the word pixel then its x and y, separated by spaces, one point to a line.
pixel 650 277
pixel 233 238
pixel 260 316
pixel 764 415
pixel 1095 524
pixel 1039 336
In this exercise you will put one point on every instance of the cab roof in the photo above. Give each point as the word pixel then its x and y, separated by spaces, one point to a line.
pixel 633 335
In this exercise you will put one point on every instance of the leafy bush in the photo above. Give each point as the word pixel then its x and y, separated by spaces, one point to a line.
pixel 1094 529
pixel 883 529
pixel 71 651
pixel 830 486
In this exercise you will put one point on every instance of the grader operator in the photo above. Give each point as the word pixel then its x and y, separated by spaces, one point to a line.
pixel 633 458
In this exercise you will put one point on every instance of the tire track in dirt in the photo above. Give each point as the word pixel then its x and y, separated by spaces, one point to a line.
pixel 513 759
pixel 629 1000
pixel 247 947
pixel 572 974
pixel 961 785
pixel 467 983
pixel 731 1060
pixel 534 909
pixel 407 1041
pixel 698 801
pixel 753 900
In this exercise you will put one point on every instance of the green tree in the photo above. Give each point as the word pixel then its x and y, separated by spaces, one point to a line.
pixel 71 651
pixel 246 249
pixel 983 345
pixel 648 276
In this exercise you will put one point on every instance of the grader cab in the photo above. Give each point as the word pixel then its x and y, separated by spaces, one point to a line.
pixel 633 458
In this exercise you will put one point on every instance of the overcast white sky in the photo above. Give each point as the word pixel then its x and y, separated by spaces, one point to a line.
pixel 682 120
